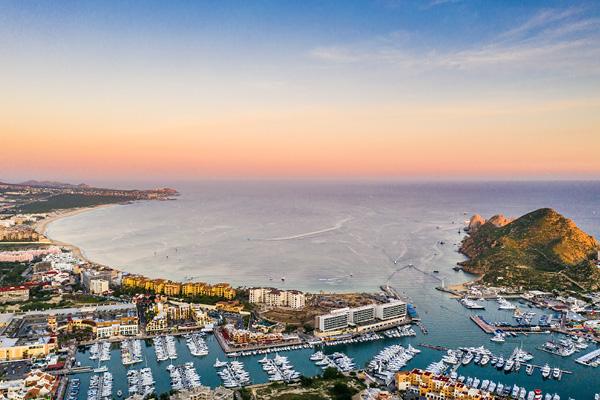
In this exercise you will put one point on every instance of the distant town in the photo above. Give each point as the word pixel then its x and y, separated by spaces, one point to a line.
pixel 54 304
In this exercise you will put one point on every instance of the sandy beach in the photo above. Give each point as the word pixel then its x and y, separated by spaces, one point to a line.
pixel 42 225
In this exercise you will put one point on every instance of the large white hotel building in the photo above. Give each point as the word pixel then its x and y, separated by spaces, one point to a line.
pixel 372 317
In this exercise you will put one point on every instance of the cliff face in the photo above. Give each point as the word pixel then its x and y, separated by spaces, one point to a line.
pixel 542 250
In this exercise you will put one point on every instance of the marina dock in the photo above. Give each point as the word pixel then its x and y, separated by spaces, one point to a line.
pixel 484 325
pixel 590 359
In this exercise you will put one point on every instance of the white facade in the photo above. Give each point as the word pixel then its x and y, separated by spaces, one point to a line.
pixel 277 298
pixel 362 314
pixel 98 286
pixel 334 321
pixel 393 309
pixel 116 329
pixel 364 318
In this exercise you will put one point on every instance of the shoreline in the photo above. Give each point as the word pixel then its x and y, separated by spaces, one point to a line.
pixel 42 226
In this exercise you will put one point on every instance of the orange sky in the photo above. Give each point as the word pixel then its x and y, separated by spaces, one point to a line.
pixel 113 90
pixel 545 139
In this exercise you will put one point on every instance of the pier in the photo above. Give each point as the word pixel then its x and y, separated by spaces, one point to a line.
pixel 480 322
pixel 492 328
pixel 422 327
pixel 590 359
pixel 433 347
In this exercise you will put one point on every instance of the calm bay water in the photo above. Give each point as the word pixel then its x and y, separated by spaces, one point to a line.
pixel 331 237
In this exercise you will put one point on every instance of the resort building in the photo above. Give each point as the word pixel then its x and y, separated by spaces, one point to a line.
pixel 334 321
pixel 277 298
pixel 245 337
pixel 368 318
pixel 98 286
pixel 91 274
pixel 390 310
pixel 105 321
pixel 361 315
pixel 437 387
pixel 172 312
pixel 24 348
pixel 124 326
pixel 14 294
pixel 20 233
pixel 158 323
pixel 27 255
pixel 170 288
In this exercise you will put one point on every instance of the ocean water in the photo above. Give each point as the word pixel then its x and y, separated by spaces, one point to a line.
pixel 334 237
pixel 318 236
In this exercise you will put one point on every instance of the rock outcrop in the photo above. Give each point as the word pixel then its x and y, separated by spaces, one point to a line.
pixel 541 250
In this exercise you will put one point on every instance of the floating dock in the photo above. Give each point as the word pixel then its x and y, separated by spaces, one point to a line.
pixel 590 359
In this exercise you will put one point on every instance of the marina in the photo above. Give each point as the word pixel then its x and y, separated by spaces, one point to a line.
pixel 233 374
pixel 72 392
pixel 164 346
pixel 100 351
pixel 131 351
pixel 196 344
pixel 362 350
pixel 279 369
pixel 140 382
pixel 100 387
pixel 183 376
pixel 390 360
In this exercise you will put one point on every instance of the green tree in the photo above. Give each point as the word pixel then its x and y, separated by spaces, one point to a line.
pixel 331 373
pixel 341 391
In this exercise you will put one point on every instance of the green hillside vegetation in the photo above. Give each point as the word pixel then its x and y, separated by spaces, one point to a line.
pixel 540 250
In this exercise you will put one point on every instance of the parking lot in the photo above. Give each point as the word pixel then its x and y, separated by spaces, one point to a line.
pixel 14 369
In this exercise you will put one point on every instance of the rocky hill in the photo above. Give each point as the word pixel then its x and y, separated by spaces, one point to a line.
pixel 540 250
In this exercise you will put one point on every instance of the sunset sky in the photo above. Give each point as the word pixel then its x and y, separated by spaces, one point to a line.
pixel 432 89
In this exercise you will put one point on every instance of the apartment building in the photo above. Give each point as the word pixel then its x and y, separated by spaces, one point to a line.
pixel 98 286
pixel 277 298
pixel 437 387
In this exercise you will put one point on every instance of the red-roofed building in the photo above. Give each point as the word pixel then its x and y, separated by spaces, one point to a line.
pixel 13 294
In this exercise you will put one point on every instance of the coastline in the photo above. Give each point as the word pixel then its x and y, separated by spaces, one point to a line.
pixel 42 226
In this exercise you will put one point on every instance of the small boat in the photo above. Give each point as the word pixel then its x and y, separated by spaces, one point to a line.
pixel 538 394
pixel 546 371
pixel 119 393
pixel 219 364
pixel 498 338
pixel 529 370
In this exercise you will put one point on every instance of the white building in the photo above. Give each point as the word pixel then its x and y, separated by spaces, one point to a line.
pixel 370 317
pixel 393 309
pixel 334 321
pixel 62 261
pixel 120 327
pixel 277 298
pixel 98 286
pixel 362 314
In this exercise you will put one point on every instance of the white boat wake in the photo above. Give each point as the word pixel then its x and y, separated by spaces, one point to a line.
pixel 337 226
